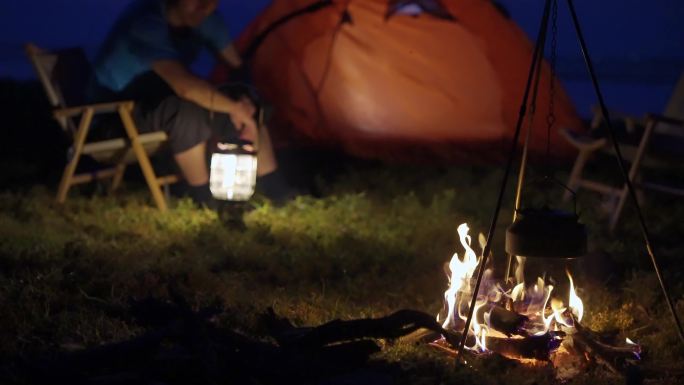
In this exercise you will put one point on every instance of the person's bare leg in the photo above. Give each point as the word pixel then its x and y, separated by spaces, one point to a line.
pixel 271 182
pixel 193 165
pixel 266 161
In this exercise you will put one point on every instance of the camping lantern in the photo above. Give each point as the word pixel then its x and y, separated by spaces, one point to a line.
pixel 233 171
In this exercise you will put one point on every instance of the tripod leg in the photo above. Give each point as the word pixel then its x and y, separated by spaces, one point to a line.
pixel 623 169
pixel 534 66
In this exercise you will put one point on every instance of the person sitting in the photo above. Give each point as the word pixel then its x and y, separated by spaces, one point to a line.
pixel 146 57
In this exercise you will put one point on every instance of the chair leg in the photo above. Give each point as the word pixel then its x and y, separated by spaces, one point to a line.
pixel 618 209
pixel 167 191
pixel 118 177
pixel 70 168
pixel 633 172
pixel 145 165
pixel 576 173
pixel 67 174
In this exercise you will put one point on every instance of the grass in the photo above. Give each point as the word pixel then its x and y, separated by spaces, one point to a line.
pixel 374 242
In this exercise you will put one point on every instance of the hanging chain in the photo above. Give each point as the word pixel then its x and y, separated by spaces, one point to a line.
pixel 551 117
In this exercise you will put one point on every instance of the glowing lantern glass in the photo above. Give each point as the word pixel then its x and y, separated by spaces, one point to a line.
pixel 233 172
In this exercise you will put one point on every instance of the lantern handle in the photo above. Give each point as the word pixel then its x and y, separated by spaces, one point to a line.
pixel 545 178
pixel 568 189
pixel 237 89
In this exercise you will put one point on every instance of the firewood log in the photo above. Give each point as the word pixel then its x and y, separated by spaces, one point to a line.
pixel 531 347
pixel 503 320
pixel 395 325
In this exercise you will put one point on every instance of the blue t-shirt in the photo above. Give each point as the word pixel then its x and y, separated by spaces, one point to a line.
pixel 142 35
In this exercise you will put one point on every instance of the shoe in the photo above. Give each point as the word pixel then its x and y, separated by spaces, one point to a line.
pixel 211 204
pixel 274 187
pixel 202 198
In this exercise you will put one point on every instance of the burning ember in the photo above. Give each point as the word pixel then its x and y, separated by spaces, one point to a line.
pixel 521 322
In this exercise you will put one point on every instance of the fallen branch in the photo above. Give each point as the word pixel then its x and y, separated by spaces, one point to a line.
pixel 395 325
pixel 185 346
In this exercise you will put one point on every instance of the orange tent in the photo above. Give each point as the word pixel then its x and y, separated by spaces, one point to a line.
pixel 382 79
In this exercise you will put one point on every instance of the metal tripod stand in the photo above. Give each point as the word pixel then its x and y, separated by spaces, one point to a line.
pixel 535 66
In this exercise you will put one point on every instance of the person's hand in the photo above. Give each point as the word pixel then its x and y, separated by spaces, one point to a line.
pixel 248 105
pixel 242 117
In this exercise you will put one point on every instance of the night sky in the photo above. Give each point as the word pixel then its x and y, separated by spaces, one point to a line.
pixel 637 45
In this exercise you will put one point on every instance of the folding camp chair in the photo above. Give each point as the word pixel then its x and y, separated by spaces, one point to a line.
pixel 64 75
pixel 665 129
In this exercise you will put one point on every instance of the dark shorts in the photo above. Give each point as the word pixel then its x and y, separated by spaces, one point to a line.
pixel 186 124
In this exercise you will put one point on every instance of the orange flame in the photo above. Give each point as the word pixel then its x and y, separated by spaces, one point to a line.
pixel 535 302
pixel 574 302
pixel 459 280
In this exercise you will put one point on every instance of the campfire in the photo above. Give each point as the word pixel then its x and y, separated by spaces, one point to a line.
pixel 530 323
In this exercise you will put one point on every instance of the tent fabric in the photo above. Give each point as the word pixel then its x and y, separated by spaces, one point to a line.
pixel 415 7
pixel 382 85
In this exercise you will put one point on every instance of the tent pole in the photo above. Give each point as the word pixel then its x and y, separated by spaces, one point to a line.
pixel 259 39
pixel 509 164
pixel 623 168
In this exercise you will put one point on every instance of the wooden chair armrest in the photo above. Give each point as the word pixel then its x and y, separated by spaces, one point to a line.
pixel 32 49
pixel 98 108
pixel 597 117
pixel 582 142
pixel 665 119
